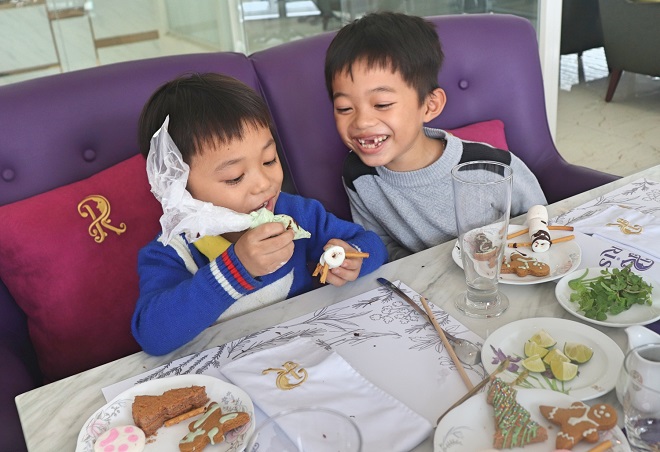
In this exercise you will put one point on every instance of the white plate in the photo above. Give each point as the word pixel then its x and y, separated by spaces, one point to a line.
pixel 118 412
pixel 470 426
pixel 596 377
pixel 562 258
pixel 636 315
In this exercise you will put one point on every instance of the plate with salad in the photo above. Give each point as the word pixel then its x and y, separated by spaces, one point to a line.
pixel 610 296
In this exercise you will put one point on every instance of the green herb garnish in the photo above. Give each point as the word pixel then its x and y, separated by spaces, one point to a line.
pixel 612 292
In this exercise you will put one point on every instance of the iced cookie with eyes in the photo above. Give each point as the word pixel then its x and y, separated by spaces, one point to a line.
pixel 579 422
pixel 333 257
pixel 211 428
pixel 264 215
pixel 523 265
pixel 484 250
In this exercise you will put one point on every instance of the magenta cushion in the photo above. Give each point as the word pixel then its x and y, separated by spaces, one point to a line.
pixel 74 272
pixel 491 132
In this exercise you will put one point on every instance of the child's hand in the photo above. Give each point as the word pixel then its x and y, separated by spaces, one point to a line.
pixel 348 270
pixel 264 249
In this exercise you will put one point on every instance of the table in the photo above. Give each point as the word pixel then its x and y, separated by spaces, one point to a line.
pixel 53 415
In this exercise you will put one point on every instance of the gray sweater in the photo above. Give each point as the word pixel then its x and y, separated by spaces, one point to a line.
pixel 414 210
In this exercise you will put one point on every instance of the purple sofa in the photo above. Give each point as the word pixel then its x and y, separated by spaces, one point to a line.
pixel 61 129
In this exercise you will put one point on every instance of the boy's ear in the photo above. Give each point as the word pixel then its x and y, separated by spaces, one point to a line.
pixel 435 102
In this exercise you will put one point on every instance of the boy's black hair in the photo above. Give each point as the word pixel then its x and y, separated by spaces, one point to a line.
pixel 203 108
pixel 406 44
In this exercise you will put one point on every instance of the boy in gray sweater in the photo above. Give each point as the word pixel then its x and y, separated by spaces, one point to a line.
pixel 381 72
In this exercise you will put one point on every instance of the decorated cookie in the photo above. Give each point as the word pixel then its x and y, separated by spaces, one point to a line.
pixel 211 428
pixel 579 422
pixel 123 438
pixel 523 265
pixel 514 426
pixel 483 249
pixel 264 215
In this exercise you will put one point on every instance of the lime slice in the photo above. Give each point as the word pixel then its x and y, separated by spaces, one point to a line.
pixel 578 353
pixel 556 355
pixel 534 364
pixel 563 371
pixel 543 339
pixel 532 348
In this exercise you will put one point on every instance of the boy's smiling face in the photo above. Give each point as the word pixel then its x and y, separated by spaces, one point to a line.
pixel 242 175
pixel 379 116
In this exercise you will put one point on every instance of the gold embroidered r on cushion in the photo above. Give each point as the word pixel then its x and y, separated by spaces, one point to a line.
pixel 97 208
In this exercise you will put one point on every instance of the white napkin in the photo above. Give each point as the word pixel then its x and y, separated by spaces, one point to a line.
pixel 631 228
pixel 385 422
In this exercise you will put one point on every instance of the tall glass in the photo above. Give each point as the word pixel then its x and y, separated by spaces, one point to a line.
pixel 482 204
pixel 638 390
pixel 312 429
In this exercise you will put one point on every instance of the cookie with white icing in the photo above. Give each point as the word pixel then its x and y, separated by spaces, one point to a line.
pixel 580 422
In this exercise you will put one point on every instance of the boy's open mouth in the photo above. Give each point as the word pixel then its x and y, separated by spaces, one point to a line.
pixel 372 143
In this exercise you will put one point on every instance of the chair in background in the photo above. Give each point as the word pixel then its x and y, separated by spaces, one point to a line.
pixel 580 27
pixel 631 35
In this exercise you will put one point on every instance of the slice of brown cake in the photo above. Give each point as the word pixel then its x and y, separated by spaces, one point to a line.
pixel 150 412
pixel 514 426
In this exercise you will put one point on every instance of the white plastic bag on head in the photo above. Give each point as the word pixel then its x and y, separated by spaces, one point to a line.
pixel 168 177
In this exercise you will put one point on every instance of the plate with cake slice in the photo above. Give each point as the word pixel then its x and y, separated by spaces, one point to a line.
pixel 186 409
pixel 472 425
pixel 560 259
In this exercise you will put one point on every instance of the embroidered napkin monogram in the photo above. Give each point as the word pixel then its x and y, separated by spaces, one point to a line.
pixel 632 229
pixel 625 226
pixel 289 376
pixel 97 207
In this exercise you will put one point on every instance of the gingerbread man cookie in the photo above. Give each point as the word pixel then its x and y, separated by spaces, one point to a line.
pixel 579 422
pixel 211 428
pixel 523 265
pixel 484 250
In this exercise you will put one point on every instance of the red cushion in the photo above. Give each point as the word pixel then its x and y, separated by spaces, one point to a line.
pixel 491 132
pixel 78 291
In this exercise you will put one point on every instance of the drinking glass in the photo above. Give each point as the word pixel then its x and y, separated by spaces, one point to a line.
pixel 310 429
pixel 482 203
pixel 638 389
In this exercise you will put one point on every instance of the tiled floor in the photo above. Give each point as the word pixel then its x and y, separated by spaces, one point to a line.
pixel 619 137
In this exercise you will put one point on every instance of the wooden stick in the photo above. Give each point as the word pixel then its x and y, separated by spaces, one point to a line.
pixel 448 346
pixel 355 255
pixel 528 244
pixel 551 228
pixel 324 273
pixel 503 365
pixel 560 228
pixel 317 270
pixel 562 239
pixel 602 447
pixel 516 234
pixel 184 416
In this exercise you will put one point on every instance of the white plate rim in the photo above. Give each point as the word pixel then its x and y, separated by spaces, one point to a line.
pixel 569 248
pixel 528 398
pixel 606 352
pixel 562 292
pixel 214 387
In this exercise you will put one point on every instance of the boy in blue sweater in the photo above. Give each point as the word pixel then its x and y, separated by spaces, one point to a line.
pixel 222 132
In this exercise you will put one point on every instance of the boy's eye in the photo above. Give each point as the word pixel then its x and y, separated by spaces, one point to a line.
pixel 271 162
pixel 384 105
pixel 342 110
pixel 234 181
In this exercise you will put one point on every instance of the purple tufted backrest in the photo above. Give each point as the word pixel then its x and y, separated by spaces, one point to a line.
pixel 58 130
pixel 491 71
